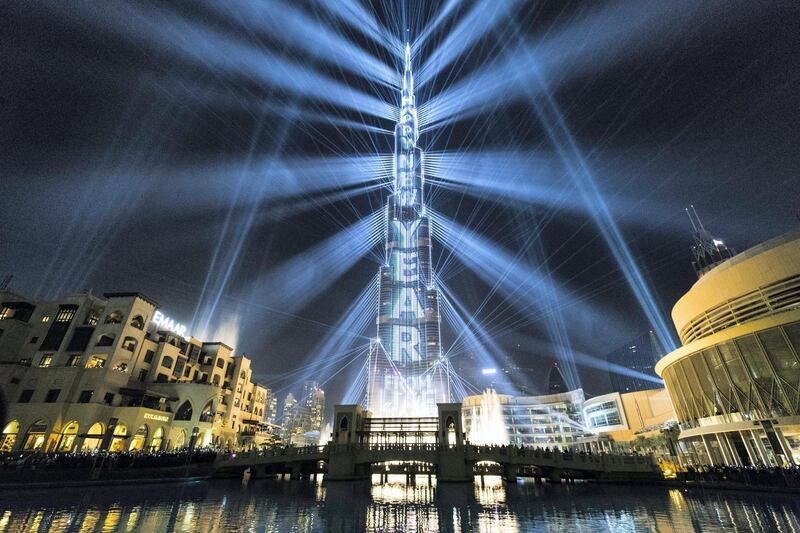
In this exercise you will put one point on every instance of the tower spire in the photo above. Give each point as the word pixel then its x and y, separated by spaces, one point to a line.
pixel 406 376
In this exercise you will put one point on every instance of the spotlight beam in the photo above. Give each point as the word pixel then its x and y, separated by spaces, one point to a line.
pixel 292 27
pixel 549 116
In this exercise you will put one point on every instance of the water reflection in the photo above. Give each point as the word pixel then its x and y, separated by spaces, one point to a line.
pixel 490 505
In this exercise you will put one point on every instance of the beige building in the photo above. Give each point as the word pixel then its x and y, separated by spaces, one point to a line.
pixel 735 381
pixel 113 372
pixel 624 417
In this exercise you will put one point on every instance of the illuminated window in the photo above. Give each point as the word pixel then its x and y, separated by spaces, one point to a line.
pixel 45 318
pixel 74 360
pixel 6 312
pixel 46 360
pixel 35 438
pixel 207 414
pixel 66 313
pixel 96 362
pixel 114 318
pixel 92 317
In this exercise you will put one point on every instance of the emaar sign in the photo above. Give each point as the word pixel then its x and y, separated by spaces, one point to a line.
pixel 162 321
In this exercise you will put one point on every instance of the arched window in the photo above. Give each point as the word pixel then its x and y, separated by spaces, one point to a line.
pixel 158 439
pixel 343 424
pixel 139 439
pixel 129 343
pixel 118 438
pixel 183 439
pixel 106 339
pixel 451 431
pixel 9 436
pixel 208 412
pixel 167 361
pixel 114 317
pixel 66 441
pixel 34 439
pixel 184 412
pixel 94 437
pixel 215 381
pixel 138 322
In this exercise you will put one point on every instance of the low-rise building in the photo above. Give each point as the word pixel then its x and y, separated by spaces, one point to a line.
pixel 548 420
pixel 114 373
pixel 622 418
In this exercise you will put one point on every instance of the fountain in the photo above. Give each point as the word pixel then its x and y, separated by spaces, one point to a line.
pixel 488 425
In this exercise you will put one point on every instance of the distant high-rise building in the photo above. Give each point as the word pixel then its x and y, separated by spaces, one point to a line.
pixel 313 403
pixel 271 407
pixel 632 367
pixel 288 415
pixel 302 420
pixel 555 381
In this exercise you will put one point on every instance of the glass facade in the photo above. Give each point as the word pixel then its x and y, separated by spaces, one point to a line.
pixel 554 420
pixel 603 415
pixel 755 376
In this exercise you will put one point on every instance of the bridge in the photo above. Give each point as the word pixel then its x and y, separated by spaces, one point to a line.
pixel 354 454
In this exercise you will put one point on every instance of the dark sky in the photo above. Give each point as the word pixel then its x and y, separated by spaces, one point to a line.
pixel 135 138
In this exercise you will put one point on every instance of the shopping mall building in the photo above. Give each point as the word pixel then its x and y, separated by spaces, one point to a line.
pixel 567 420
pixel 114 373
pixel 734 382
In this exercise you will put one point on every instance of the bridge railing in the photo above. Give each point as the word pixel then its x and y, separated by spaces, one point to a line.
pixel 564 456
pixel 285 451
pixel 374 447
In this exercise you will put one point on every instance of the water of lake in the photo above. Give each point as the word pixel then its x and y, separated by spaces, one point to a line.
pixel 300 506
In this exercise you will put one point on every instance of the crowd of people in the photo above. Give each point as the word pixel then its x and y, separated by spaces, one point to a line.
pixel 86 460
pixel 749 475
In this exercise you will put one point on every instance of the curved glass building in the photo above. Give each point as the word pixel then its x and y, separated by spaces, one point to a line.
pixel 735 381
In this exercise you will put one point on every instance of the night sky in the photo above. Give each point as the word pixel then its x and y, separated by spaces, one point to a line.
pixel 137 144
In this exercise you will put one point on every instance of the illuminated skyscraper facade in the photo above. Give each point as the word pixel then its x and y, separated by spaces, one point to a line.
pixel 406 377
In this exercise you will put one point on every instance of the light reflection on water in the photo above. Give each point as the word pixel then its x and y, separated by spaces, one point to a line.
pixel 271 505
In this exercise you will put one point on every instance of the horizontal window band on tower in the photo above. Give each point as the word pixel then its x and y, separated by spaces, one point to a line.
pixel 779 296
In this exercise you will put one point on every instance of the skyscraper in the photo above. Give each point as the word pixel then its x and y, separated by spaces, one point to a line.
pixel 313 406
pixel 639 357
pixel 406 377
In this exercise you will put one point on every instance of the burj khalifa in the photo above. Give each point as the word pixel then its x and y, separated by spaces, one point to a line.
pixel 406 374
